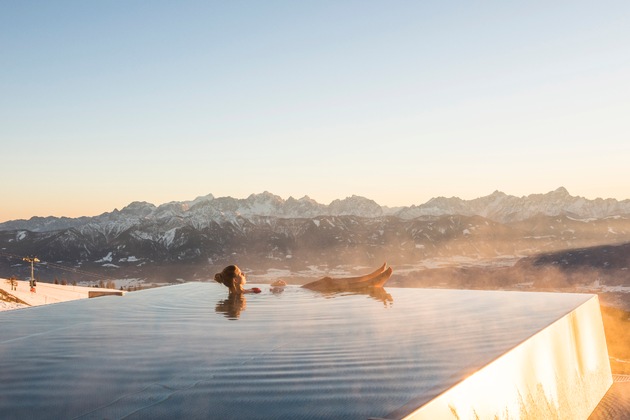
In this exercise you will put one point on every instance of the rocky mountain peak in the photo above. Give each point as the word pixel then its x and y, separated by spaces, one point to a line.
pixel 561 192
pixel 355 206
pixel 139 207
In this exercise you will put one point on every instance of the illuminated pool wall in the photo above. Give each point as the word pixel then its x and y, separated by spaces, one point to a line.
pixel 561 372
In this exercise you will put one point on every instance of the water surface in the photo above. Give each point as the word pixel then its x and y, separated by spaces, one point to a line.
pixel 189 352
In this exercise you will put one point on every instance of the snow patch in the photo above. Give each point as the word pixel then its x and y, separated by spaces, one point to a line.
pixel 316 222
pixel 124 283
pixel 20 235
pixel 169 237
pixel 585 220
pixel 106 258
pixel 142 235
pixel 7 306
pixel 605 288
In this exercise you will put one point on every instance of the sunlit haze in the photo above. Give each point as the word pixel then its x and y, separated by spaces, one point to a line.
pixel 105 103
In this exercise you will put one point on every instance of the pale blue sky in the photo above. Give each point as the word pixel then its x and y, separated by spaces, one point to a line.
pixel 107 102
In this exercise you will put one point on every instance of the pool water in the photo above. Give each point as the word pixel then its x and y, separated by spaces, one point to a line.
pixel 188 351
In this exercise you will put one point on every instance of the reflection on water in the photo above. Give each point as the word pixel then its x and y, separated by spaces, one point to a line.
pixel 276 290
pixel 232 306
pixel 376 293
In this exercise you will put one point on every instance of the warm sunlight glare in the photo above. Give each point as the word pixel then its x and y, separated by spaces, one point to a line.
pixel 562 370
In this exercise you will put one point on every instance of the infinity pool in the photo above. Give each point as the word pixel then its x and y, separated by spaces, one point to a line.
pixel 189 352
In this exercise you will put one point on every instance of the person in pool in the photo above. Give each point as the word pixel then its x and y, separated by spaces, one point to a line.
pixel 233 278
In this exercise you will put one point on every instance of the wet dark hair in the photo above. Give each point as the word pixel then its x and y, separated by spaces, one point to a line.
pixel 226 277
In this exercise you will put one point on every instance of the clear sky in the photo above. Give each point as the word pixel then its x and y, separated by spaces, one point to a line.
pixel 107 102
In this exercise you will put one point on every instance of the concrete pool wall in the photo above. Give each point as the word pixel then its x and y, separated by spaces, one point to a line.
pixel 561 372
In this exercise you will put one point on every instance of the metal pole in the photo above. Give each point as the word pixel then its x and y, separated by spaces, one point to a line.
pixel 32 260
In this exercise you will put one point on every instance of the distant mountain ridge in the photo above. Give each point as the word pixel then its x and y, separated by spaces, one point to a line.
pixel 204 210
pixel 193 238
pixel 503 208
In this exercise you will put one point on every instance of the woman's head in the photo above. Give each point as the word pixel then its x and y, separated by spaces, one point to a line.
pixel 232 277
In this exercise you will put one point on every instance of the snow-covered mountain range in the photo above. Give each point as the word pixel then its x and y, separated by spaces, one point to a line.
pixel 191 239
pixel 206 210
pixel 503 208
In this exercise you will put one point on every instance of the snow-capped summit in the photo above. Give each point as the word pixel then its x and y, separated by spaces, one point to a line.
pixel 264 204
pixel 138 208
pixel 304 207
pixel 355 206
